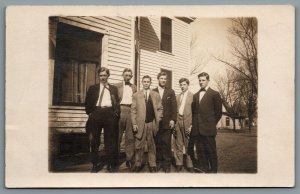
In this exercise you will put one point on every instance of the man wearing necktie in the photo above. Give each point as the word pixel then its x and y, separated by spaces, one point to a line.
pixel 125 91
pixel 164 134
pixel 146 112
pixel 183 126
pixel 206 111
pixel 103 107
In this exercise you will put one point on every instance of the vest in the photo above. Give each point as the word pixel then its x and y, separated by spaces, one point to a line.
pixel 149 111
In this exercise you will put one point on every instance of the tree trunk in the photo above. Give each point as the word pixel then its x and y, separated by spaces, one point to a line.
pixel 234 128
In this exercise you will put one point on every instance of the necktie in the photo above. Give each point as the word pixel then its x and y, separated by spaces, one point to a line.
pixel 102 94
pixel 202 90
pixel 146 96
pixel 127 83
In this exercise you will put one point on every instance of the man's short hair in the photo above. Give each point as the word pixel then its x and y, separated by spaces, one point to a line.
pixel 103 69
pixel 204 74
pixel 161 74
pixel 146 76
pixel 127 70
pixel 184 80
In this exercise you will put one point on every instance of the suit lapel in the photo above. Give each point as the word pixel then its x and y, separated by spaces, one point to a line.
pixel 196 103
pixel 207 93
pixel 178 101
pixel 142 97
pixel 121 91
pixel 188 96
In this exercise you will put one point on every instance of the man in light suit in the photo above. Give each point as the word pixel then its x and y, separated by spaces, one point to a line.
pixel 207 111
pixel 183 125
pixel 125 91
pixel 146 112
pixel 103 108
pixel 164 134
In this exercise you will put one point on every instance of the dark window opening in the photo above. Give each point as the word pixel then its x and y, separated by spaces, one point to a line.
pixel 77 58
pixel 227 121
pixel 166 34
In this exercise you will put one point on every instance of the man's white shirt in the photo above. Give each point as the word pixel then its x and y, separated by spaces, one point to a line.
pixel 202 93
pixel 161 91
pixel 127 94
pixel 106 100
pixel 182 102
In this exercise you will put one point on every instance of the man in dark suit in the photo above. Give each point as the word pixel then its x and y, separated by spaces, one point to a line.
pixel 125 91
pixel 166 126
pixel 103 107
pixel 206 111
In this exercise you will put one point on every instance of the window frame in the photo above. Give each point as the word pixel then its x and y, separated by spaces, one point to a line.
pixel 56 100
pixel 171 35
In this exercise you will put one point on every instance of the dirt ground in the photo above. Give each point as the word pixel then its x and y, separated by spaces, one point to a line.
pixel 237 153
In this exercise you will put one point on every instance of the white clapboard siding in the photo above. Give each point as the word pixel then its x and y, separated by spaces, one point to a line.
pixel 67 119
pixel 152 59
pixel 119 40
pixel 119 46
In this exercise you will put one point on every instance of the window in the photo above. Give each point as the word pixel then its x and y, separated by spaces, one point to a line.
pixel 77 58
pixel 169 77
pixel 227 121
pixel 166 34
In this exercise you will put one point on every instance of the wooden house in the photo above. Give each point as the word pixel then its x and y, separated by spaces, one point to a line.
pixel 80 45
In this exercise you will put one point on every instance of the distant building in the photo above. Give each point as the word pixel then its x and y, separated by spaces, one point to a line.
pixel 227 120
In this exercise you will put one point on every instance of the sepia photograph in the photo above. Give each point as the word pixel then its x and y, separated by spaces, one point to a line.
pixel 178 61
pixel 150 96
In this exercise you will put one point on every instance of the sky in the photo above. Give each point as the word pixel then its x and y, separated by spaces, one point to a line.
pixel 210 39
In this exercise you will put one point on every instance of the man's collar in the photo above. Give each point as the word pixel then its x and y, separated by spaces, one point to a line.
pixel 206 88
pixel 124 83
pixel 159 87
pixel 184 92
pixel 106 84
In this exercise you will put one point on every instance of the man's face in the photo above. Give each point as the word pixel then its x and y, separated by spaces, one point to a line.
pixel 146 83
pixel 184 86
pixel 127 76
pixel 162 80
pixel 103 76
pixel 203 82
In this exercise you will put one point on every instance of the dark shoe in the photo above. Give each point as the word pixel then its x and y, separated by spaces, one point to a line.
pixel 178 168
pixel 129 164
pixel 97 167
pixel 158 166
pixel 152 169
pixel 198 170
pixel 190 169
pixel 137 169
pixel 94 169
pixel 167 169
pixel 112 168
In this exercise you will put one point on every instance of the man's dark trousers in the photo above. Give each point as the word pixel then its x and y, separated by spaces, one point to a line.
pixel 104 118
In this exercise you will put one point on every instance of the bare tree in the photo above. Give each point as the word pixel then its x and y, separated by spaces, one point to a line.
pixel 243 39
pixel 229 90
pixel 199 62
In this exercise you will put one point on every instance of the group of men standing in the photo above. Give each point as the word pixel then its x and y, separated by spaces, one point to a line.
pixel 149 118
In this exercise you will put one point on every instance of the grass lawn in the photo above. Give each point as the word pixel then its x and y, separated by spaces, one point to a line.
pixel 237 152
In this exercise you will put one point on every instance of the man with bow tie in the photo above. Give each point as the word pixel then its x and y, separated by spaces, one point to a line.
pixel 146 112
pixel 183 125
pixel 103 108
pixel 206 111
pixel 125 91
